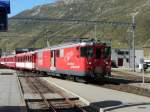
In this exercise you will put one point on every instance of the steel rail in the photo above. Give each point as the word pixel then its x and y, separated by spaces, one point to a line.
pixel 67 100
pixel 48 104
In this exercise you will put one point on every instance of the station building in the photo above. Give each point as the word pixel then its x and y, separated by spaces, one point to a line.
pixel 146 49
pixel 121 57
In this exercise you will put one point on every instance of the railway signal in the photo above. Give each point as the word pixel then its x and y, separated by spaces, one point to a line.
pixel 4 11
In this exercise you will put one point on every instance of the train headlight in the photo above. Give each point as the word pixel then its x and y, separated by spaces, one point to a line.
pixel 90 63
pixel 107 63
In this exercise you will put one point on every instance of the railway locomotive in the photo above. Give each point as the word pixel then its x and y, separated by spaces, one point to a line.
pixel 84 59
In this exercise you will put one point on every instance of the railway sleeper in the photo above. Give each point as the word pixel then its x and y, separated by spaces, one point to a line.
pixel 56 100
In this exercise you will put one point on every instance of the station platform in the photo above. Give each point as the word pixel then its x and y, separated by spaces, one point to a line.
pixel 11 99
pixel 102 99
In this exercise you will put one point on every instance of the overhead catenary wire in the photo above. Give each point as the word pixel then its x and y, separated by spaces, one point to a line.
pixel 71 21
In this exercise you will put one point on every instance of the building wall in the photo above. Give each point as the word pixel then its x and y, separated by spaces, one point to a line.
pixel 147 53
pixel 122 54
pixel 139 54
pixel 125 56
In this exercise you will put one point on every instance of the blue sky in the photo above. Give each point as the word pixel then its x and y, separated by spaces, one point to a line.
pixel 20 5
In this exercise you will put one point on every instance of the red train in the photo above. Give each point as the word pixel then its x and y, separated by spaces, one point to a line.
pixel 78 59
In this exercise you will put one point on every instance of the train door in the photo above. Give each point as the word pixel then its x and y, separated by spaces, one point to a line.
pixel 53 60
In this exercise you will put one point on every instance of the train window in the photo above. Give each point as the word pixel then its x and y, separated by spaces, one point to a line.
pixel 25 59
pixel 31 59
pixel 83 52
pixel 98 53
pixel 20 59
pixel 28 58
pixel 87 52
pixel 51 53
pixel 57 53
pixel 62 53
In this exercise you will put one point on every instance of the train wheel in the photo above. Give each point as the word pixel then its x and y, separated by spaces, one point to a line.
pixel 44 73
pixel 63 76
pixel 75 79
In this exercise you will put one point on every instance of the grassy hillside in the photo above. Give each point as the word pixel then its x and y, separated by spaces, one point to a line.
pixel 35 34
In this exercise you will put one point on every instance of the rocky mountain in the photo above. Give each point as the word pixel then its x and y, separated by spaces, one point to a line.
pixel 32 33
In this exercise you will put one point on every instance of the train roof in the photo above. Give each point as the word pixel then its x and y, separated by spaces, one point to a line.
pixel 8 56
pixel 73 44
pixel 65 45
pixel 26 53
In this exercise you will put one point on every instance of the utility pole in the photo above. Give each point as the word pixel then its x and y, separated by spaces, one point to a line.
pixel 95 28
pixel 46 34
pixel 133 28
pixel 133 34
pixel 133 37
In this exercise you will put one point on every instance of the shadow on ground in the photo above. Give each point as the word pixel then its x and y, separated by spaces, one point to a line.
pixel 114 105
pixel 12 109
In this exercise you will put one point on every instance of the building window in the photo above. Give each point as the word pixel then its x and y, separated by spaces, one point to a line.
pixel 127 60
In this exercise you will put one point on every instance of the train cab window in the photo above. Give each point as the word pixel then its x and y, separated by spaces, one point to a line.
pixel 87 52
pixel 98 53
pixel 107 52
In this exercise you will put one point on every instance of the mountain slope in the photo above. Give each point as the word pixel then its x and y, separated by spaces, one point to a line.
pixel 35 34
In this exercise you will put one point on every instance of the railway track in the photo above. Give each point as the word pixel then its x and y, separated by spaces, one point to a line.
pixel 46 102
pixel 123 82
pixel 120 82
pixel 41 89
pixel 128 76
